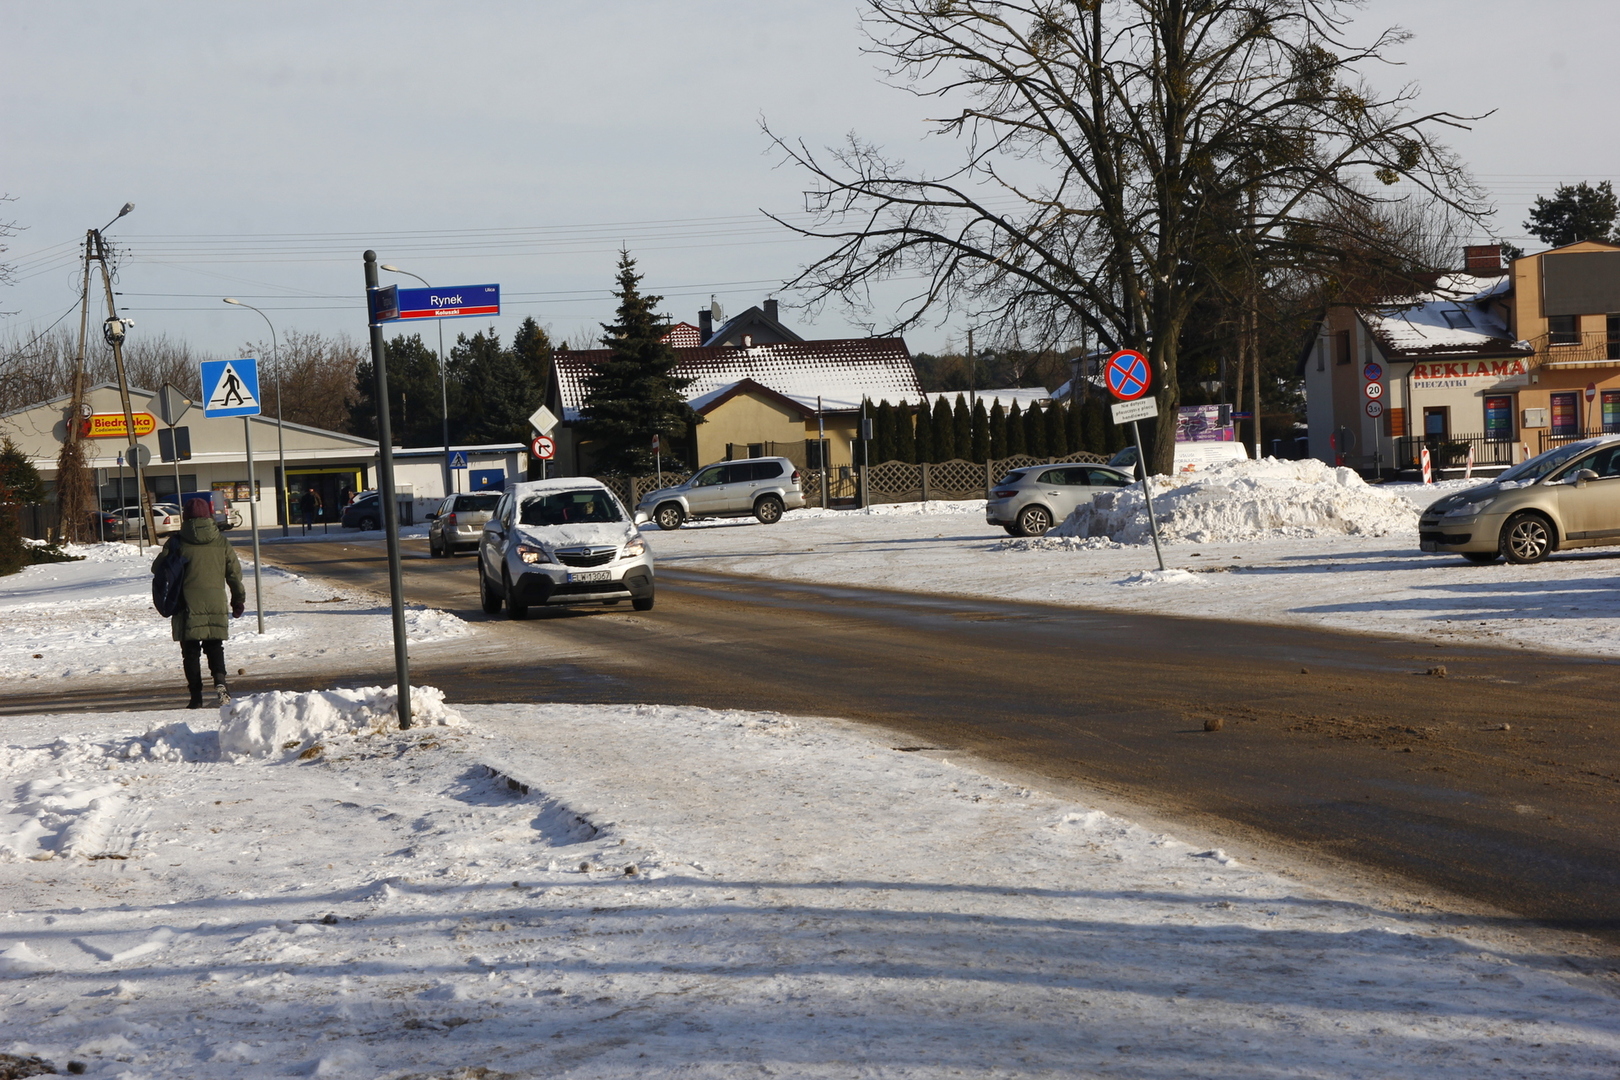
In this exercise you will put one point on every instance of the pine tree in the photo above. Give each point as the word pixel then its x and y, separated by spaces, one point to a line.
pixel 20 486
pixel 632 395
pixel 1074 421
pixel 1015 432
pixel 944 431
pixel 883 433
pixel 962 428
pixel 981 432
pixel 1035 432
pixel 1575 212
pixel 905 436
pixel 414 394
pixel 924 434
pixel 499 391
pixel 998 432
pixel 1057 433
pixel 1101 432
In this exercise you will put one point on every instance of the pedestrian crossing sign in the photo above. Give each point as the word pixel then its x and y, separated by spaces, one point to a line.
pixel 458 460
pixel 231 387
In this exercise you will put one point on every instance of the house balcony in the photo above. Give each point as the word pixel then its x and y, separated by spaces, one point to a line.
pixel 1579 349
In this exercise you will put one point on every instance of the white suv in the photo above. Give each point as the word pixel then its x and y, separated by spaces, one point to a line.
pixel 563 541
pixel 762 487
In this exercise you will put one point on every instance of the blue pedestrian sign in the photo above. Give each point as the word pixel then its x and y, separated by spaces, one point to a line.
pixel 231 387
pixel 458 460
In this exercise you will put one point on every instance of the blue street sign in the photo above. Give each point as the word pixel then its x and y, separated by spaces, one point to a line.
pixel 1128 375
pixel 458 460
pixel 454 302
pixel 231 387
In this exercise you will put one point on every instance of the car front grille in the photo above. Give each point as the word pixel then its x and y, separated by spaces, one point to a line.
pixel 1449 539
pixel 595 556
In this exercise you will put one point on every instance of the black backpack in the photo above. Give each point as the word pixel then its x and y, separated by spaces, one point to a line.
pixel 169 579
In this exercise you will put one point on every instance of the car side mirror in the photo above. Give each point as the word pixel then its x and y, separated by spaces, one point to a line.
pixel 1583 476
pixel 642 517
pixel 495 524
pixel 433 516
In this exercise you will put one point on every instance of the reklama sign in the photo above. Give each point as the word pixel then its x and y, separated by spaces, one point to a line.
pixel 1461 372
pixel 111 425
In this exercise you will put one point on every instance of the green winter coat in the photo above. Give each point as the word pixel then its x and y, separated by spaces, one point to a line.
pixel 212 568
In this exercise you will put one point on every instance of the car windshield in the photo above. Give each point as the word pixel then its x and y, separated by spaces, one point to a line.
pixel 569 508
pixel 1535 468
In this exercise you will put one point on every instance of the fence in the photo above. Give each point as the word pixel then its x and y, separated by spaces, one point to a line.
pixel 889 482
pixel 1550 440
pixel 1453 453
pixel 37 522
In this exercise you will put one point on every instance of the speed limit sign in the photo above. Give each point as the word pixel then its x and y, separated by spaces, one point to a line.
pixel 544 447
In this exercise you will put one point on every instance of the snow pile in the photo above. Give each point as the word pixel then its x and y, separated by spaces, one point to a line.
pixel 1162 577
pixel 260 724
pixel 61 814
pixel 1242 500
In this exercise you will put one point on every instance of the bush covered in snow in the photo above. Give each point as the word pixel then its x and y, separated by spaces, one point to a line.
pixel 1241 500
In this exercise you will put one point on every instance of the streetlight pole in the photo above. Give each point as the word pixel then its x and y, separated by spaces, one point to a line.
pixel 444 393
pixel 281 445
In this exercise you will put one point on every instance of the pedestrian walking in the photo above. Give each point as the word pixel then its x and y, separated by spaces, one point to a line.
pixel 212 568
pixel 307 506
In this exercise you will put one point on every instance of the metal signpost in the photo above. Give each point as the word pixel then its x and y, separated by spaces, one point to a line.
pixel 231 388
pixel 1129 376
pixel 544 422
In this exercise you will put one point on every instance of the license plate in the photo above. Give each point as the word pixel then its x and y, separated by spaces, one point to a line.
pixel 1428 545
pixel 591 575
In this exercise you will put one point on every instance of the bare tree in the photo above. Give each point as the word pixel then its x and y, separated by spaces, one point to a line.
pixel 1114 152
pixel 317 378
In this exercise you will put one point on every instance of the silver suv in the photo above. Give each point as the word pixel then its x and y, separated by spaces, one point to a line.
pixel 1029 501
pixel 763 487
pixel 458 521
pixel 563 541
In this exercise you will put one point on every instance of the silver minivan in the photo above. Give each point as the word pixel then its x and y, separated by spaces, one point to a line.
pixel 1029 501
pixel 762 487
pixel 458 521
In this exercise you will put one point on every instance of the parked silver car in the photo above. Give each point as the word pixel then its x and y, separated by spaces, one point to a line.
pixel 1029 501
pixel 563 541
pixel 131 523
pixel 763 487
pixel 458 521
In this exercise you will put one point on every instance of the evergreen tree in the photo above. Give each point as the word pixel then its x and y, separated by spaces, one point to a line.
pixel 532 346
pixel 883 433
pixel 1575 212
pixel 962 429
pixel 20 484
pixel 924 428
pixel 632 395
pixel 981 432
pixel 1057 433
pixel 944 431
pixel 998 432
pixel 1015 432
pixel 1101 432
pixel 1074 421
pixel 1035 432
pixel 905 436
pixel 499 392
pixel 414 394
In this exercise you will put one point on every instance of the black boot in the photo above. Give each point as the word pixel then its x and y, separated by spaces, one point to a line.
pixel 191 661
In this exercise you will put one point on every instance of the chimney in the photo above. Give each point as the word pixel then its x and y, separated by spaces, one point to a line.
pixel 1483 259
pixel 770 309
pixel 705 324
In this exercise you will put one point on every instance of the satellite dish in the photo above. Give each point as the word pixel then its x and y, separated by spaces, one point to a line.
pixel 715 310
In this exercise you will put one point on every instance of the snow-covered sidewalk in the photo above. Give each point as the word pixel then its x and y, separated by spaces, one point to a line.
pixel 1228 558
pixel 625 891
pixel 94 618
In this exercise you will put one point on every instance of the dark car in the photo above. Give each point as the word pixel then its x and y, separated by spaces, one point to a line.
pixel 365 512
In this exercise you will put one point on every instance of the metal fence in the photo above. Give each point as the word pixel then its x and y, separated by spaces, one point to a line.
pixel 1548 439
pixel 1453 453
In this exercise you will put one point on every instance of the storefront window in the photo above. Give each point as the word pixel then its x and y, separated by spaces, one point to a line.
pixel 1565 415
pixel 1499 418
pixel 1611 411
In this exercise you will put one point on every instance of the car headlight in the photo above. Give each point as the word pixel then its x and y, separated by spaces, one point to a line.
pixel 531 554
pixel 636 546
pixel 1469 509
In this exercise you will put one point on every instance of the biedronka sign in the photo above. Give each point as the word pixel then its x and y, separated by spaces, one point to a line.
pixel 111 425
pixel 1466 373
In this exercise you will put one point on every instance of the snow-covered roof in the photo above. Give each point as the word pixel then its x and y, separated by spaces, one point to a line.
pixel 1022 396
pixel 684 335
pixel 840 373
pixel 1452 319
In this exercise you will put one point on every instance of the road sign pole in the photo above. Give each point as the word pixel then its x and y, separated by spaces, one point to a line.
pixel 1147 496
pixel 385 470
pixel 253 520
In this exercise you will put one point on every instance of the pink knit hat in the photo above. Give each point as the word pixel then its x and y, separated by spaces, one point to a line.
pixel 198 508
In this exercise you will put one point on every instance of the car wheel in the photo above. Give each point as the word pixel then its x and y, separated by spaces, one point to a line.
pixel 768 510
pixel 1482 558
pixel 669 516
pixel 1527 538
pixel 486 595
pixel 368 524
pixel 433 550
pixel 1033 521
pixel 1011 531
pixel 515 608
pixel 642 603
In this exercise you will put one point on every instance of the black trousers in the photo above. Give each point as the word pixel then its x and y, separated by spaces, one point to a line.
pixel 191 657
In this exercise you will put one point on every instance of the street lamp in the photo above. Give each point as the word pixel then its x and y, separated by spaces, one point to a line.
pixel 444 393
pixel 281 446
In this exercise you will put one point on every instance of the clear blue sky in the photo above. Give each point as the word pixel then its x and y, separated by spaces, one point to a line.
pixel 267 145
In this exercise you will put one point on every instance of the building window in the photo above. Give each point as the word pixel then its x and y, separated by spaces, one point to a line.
pixel 1614 337
pixel 1341 347
pixel 1437 423
pixel 1562 330
pixel 1499 418
pixel 1611 411
pixel 1566 416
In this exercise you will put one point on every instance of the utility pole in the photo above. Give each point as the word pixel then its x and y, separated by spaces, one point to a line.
pixel 390 509
pixel 113 330
pixel 74 490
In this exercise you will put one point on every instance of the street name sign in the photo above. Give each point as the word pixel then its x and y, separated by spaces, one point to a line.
pixel 1140 409
pixel 1128 374
pixel 231 387
pixel 455 302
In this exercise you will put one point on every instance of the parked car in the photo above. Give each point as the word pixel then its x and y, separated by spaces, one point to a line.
pixel 226 515
pixel 1029 501
pixel 365 512
pixel 458 521
pixel 129 522
pixel 106 524
pixel 762 487
pixel 1567 497
pixel 563 541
